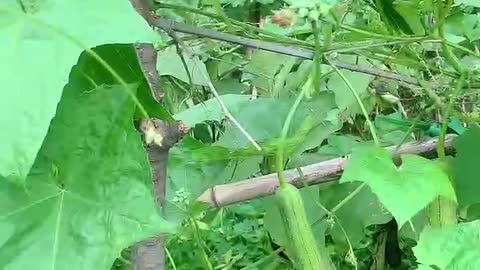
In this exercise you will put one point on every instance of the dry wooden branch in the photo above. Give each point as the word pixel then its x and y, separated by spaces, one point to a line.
pixel 149 253
pixel 326 171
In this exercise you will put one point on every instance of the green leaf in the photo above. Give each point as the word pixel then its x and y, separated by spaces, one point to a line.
pixel 471 62
pixel 473 212
pixel 231 86
pixel 89 193
pixel 403 190
pixel 321 131
pixel 150 104
pixel 343 95
pixel 296 79
pixel 210 109
pixel 43 46
pixel 473 3
pixel 263 73
pixel 392 128
pixel 170 63
pixel 263 119
pixel 466 167
pixel 412 16
pixel 415 226
pixel 460 25
pixel 391 17
pixel 450 248
pixel 353 216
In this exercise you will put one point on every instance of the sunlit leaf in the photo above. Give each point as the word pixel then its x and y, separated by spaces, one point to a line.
pixel 89 193
pixel 450 248
pixel 472 3
pixel 404 190
pixel 42 46
pixel 170 63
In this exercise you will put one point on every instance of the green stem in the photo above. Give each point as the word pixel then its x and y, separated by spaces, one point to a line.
pixel 279 162
pixel 360 103
pixel 220 12
pixel 461 48
pixel 442 12
pixel 170 259
pixel 377 35
pixel 318 55
pixel 451 58
pixel 351 47
pixel 200 243
pixel 348 198
pixel 451 103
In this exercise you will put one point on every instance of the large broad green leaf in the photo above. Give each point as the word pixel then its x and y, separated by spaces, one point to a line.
pixel 466 167
pixel 450 248
pixel 461 25
pixel 330 124
pixel 392 129
pixel 263 119
pixel 392 18
pixel 170 63
pixel 359 212
pixel 263 67
pixel 473 3
pixel 404 190
pixel 231 86
pixel 412 16
pixel 209 110
pixel 343 95
pixel 88 195
pixel 38 51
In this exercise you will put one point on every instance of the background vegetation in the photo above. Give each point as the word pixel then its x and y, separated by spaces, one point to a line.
pixel 75 187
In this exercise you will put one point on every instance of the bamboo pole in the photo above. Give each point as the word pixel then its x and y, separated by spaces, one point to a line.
pixel 322 172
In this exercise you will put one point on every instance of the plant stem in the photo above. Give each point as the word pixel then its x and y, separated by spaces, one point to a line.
pixel 200 243
pixel 447 52
pixel 170 258
pixel 445 116
pixel 377 35
pixel 360 103
pixel 279 162
pixel 318 55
